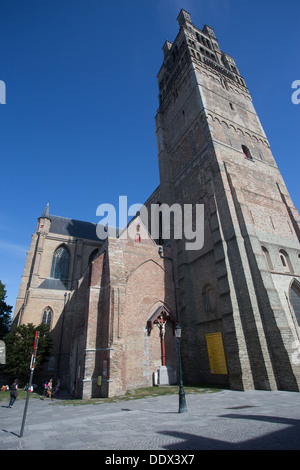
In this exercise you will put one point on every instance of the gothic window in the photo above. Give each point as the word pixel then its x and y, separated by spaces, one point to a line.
pixel 47 316
pixel 285 261
pixel 60 263
pixel 268 258
pixel 295 299
pixel 137 237
pixel 209 301
pixel 247 152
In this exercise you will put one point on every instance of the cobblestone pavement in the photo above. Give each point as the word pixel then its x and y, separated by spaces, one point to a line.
pixel 223 420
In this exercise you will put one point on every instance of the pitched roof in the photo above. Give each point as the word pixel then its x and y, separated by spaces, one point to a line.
pixel 73 228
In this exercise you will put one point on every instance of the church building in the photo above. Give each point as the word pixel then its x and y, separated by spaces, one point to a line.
pixel 112 304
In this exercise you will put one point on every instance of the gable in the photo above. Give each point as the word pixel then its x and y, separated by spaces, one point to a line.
pixel 136 231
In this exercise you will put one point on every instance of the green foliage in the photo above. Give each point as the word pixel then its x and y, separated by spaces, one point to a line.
pixel 19 347
pixel 5 312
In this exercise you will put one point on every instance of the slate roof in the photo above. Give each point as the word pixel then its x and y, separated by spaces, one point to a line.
pixel 71 227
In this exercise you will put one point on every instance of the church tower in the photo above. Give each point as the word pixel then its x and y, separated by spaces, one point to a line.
pixel 239 296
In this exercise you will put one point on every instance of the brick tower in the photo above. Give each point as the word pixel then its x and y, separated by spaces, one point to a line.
pixel 238 295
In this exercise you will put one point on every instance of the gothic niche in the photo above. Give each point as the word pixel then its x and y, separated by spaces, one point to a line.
pixel 165 374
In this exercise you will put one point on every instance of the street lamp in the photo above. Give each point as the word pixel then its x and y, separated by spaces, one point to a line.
pixel 182 402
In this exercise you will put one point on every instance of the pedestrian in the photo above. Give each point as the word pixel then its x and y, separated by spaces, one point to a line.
pixel 13 393
pixel 49 389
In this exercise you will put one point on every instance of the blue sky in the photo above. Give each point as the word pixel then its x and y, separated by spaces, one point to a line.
pixel 78 128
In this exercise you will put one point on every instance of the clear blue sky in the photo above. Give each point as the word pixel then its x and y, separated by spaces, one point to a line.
pixel 78 129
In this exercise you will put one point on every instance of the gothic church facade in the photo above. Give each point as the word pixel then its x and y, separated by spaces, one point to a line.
pixel 112 304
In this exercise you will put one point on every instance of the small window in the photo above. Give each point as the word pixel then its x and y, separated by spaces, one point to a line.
pixel 231 106
pixel 285 261
pixel 138 238
pixel 247 152
pixel 47 316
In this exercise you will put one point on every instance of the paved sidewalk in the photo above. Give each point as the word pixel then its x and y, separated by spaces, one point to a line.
pixel 222 420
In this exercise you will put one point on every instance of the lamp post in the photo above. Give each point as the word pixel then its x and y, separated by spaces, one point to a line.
pixel 182 402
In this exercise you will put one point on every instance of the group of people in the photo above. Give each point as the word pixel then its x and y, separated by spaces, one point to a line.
pixel 48 390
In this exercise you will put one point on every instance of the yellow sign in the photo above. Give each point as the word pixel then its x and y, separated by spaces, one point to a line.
pixel 216 353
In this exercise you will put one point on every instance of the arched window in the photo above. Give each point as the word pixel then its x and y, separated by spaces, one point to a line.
pixel 209 300
pixel 268 258
pixel 295 299
pixel 247 152
pixel 285 261
pixel 60 263
pixel 47 316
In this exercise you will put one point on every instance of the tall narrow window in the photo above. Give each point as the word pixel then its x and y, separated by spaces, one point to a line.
pixel 247 152
pixel 60 263
pixel 47 316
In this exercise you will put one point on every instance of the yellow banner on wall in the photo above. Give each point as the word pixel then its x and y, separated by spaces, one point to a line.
pixel 216 353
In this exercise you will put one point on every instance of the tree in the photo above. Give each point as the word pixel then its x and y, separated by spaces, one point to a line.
pixel 5 312
pixel 19 347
